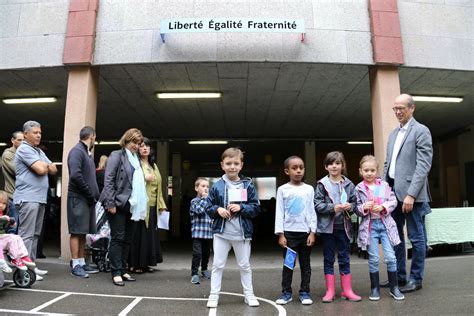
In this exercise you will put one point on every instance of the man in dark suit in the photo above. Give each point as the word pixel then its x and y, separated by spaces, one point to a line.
pixel 406 168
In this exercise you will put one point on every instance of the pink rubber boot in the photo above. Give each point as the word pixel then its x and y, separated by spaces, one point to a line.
pixel 330 288
pixel 346 285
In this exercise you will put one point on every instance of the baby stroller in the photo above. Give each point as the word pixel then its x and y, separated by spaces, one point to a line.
pixel 98 244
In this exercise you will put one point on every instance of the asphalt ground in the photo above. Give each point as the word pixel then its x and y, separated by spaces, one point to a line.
pixel 448 289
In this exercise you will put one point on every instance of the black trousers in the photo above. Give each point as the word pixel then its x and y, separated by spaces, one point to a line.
pixel 201 253
pixel 122 229
pixel 297 242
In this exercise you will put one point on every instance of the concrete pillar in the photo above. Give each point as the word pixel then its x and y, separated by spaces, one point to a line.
pixel 310 162
pixel 176 200
pixel 384 88
pixel 81 109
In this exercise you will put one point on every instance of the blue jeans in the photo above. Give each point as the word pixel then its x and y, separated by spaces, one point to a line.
pixel 417 235
pixel 378 232
pixel 336 241
pixel 12 212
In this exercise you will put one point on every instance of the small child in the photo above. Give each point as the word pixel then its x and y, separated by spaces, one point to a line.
pixel 201 231
pixel 295 223
pixel 375 202
pixel 12 243
pixel 232 203
pixel 335 201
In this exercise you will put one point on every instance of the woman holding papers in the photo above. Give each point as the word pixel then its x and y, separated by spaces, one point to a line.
pixel 145 250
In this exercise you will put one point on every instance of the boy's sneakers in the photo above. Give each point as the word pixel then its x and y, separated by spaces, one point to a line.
pixel 284 298
pixel 4 266
pixel 195 279
pixel 88 269
pixel 251 300
pixel 40 272
pixel 27 261
pixel 305 298
pixel 19 264
pixel 213 301
pixel 79 272
pixel 206 274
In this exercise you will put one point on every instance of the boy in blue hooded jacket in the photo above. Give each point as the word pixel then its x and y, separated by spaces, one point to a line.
pixel 232 203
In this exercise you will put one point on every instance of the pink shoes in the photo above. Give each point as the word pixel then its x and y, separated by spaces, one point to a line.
pixel 346 285
pixel 330 288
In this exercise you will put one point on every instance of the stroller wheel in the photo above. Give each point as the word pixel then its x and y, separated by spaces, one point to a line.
pixel 107 267
pixel 24 279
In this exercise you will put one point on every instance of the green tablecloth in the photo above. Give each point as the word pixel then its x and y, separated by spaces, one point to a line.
pixel 450 225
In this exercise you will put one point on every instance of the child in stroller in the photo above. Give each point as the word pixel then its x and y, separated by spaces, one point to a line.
pixel 98 244
pixel 15 248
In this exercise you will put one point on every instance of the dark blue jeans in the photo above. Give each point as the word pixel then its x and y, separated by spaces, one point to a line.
pixel 297 242
pixel 417 235
pixel 336 241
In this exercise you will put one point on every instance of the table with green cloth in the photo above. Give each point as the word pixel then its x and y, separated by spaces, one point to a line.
pixel 450 225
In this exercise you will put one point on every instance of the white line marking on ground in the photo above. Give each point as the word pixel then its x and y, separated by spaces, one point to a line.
pixel 212 311
pixel 15 311
pixel 37 309
pixel 130 306
pixel 279 308
pixel 112 295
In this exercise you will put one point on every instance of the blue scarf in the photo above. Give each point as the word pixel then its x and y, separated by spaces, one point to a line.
pixel 138 199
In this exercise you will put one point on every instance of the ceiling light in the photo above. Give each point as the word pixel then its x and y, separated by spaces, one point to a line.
pixel 420 98
pixel 207 142
pixel 30 100
pixel 3 144
pixel 108 143
pixel 188 95
pixel 359 143
pixel 58 163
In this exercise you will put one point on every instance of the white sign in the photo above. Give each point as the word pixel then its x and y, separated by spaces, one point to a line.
pixel 232 25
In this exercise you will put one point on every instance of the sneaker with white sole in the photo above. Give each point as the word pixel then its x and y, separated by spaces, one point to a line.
pixel 206 274
pixel 40 272
pixel 39 277
pixel 213 301
pixel 251 300
pixel 284 298
pixel 305 298
pixel 4 266
pixel 195 279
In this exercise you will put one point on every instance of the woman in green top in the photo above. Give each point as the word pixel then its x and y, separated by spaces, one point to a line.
pixel 145 251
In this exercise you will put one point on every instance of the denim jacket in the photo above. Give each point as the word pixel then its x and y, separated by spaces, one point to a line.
pixel 248 210
pixel 324 205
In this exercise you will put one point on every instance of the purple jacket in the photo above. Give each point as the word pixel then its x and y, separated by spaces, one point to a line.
pixel 389 202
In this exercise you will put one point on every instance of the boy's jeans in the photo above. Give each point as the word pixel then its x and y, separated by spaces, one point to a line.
pixel 201 253
pixel 378 232
pixel 242 256
pixel 297 241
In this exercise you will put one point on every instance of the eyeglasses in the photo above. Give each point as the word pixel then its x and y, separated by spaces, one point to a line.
pixel 399 108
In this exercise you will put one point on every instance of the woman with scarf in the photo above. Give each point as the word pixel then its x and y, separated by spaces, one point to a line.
pixel 145 250
pixel 124 197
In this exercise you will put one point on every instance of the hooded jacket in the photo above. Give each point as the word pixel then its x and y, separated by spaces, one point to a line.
pixel 218 196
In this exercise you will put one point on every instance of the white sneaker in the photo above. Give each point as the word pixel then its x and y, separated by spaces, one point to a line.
pixel 40 272
pixel 4 266
pixel 251 301
pixel 39 277
pixel 213 301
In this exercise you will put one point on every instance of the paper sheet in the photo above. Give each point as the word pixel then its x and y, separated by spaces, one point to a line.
pixel 164 220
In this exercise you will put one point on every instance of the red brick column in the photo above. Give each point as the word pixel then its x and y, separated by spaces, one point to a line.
pixel 80 33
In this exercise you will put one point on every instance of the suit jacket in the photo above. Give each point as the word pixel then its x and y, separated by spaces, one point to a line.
pixel 413 162
pixel 117 181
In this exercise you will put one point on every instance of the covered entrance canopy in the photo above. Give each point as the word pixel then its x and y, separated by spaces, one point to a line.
pixel 259 100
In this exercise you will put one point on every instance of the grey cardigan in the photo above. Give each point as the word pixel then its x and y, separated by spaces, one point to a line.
pixel 413 162
pixel 117 181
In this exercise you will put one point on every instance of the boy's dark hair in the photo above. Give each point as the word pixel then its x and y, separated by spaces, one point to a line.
pixel 199 180
pixel 336 156
pixel 286 163
pixel 233 152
